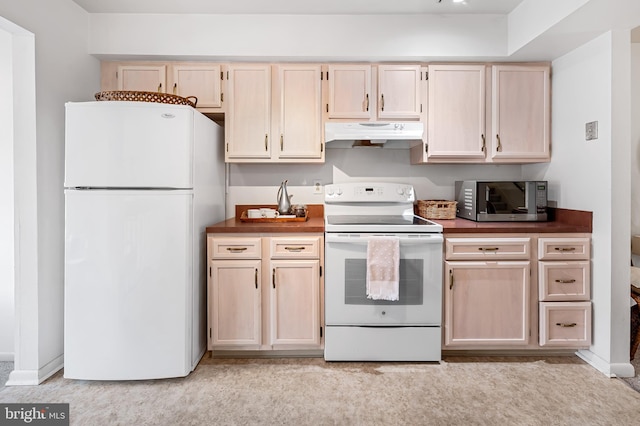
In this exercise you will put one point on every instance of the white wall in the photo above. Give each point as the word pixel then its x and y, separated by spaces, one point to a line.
pixel 6 189
pixel 635 139
pixel 589 84
pixel 63 72
pixel 258 183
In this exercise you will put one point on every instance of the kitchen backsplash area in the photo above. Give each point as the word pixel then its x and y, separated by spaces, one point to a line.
pixel 258 183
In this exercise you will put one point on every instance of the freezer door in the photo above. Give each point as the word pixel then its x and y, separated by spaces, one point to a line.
pixel 128 284
pixel 128 145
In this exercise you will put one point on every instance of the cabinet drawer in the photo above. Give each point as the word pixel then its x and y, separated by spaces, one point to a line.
pixel 487 248
pixel 566 324
pixel 564 248
pixel 297 247
pixel 234 248
pixel 564 281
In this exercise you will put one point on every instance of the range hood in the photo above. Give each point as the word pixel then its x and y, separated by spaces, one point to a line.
pixel 371 133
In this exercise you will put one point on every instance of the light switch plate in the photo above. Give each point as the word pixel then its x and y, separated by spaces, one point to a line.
pixel 591 130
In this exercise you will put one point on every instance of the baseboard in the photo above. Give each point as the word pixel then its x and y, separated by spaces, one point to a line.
pixel 35 377
pixel 607 368
pixel 6 356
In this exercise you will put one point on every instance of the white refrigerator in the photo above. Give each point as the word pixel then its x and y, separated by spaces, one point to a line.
pixel 142 182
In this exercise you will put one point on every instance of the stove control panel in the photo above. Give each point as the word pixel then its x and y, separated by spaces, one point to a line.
pixel 367 192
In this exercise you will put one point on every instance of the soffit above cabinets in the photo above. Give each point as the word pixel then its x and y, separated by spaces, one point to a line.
pixel 297 7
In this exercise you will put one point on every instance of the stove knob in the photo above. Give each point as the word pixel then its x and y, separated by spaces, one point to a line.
pixel 329 191
pixel 339 191
pixel 400 190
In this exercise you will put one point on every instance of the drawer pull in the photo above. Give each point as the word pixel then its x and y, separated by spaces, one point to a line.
pixel 273 277
pixel 566 324
pixel 564 248
pixel 566 281
pixel 488 248
pixel 296 249
pixel 236 249
pixel 450 279
pixel 256 278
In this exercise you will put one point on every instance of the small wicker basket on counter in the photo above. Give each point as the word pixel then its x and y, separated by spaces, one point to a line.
pixel 132 95
pixel 436 209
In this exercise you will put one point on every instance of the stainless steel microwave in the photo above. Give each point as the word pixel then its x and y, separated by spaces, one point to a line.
pixel 502 201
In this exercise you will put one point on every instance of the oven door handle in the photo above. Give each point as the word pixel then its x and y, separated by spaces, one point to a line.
pixel 404 240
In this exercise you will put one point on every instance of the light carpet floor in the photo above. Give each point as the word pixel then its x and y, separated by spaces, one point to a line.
pixel 310 391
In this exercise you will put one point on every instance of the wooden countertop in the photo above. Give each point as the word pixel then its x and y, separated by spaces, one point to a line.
pixel 561 221
pixel 315 222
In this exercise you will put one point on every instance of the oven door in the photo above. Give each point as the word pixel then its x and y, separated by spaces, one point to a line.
pixel 420 301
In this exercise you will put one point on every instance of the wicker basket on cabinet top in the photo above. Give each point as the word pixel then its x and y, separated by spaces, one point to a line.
pixel 436 209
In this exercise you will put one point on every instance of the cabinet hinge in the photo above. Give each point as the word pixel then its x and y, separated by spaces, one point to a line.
pixel 321 271
pixel 320 332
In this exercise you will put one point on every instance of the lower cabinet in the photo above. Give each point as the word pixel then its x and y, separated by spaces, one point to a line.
pixel 527 292
pixel 265 292
pixel 487 303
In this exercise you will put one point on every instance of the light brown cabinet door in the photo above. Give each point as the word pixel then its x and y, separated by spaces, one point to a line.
pixel 487 303
pixel 521 113
pixel 248 114
pixel 299 103
pixel 350 92
pixel 142 78
pixel 234 304
pixel 456 112
pixel 201 81
pixel 399 91
pixel 295 302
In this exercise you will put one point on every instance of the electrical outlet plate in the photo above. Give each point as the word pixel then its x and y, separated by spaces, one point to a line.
pixel 317 187
pixel 591 130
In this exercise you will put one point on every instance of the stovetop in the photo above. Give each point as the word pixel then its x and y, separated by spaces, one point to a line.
pixel 373 207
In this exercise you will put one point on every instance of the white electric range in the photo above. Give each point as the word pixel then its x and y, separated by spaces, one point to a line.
pixel 359 328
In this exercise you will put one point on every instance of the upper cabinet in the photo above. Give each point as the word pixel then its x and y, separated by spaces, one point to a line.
pixel 456 113
pixel 520 113
pixel 366 92
pixel 142 78
pixel 475 117
pixel 398 92
pixel 204 81
pixel 274 113
pixel 349 92
pixel 248 115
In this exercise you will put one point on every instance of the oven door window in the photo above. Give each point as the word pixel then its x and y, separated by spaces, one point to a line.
pixel 410 285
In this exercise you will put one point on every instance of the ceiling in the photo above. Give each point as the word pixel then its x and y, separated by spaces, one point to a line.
pixel 300 7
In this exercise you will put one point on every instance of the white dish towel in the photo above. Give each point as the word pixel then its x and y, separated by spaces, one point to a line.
pixel 383 268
